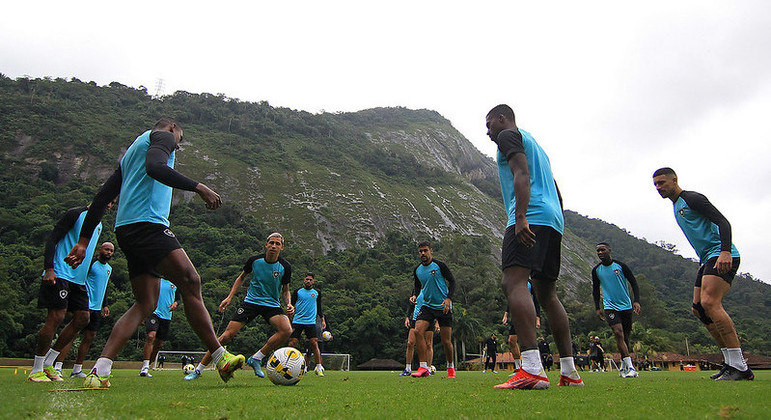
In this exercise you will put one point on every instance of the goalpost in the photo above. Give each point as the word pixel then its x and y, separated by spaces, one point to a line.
pixel 332 361
pixel 174 359
pixel 611 364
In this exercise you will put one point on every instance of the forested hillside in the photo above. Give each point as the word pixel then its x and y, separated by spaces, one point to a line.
pixel 352 192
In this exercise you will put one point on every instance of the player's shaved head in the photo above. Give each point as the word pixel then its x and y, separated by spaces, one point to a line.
pixel 166 122
pixel 504 110
pixel 664 171
pixel 603 243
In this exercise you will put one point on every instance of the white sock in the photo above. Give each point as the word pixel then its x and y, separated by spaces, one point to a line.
pixel 58 365
pixel 76 368
pixel 531 362
pixel 627 361
pixel 450 365
pixel 424 365
pixel 724 350
pixel 567 366
pixel 103 367
pixel 517 363
pixel 408 367
pixel 736 359
pixel 258 355
pixel 200 367
pixel 145 364
pixel 37 365
pixel 50 357
pixel 216 355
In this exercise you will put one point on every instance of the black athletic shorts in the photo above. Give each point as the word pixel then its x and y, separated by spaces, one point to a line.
pixel 145 245
pixel 708 269
pixel 309 329
pixel 159 325
pixel 248 311
pixel 430 315
pixel 94 321
pixel 63 295
pixel 543 258
pixel 619 317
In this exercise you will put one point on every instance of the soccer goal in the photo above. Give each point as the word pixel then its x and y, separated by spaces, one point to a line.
pixel 172 360
pixel 332 361
pixel 610 364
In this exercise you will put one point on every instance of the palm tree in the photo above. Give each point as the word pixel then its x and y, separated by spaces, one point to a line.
pixel 465 329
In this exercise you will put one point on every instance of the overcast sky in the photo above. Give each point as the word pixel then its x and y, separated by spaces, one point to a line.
pixel 612 91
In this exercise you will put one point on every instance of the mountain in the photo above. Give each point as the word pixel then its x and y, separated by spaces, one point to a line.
pixel 351 192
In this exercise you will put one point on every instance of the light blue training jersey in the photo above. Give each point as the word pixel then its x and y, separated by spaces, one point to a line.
pixel 62 269
pixel 96 284
pixel 165 298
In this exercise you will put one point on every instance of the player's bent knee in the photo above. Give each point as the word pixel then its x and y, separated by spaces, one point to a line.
pixel 700 313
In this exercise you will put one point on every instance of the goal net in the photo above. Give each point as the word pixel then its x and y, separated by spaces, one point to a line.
pixel 173 360
pixel 332 361
pixel 610 365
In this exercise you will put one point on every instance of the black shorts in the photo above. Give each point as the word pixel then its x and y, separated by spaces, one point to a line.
pixel 159 325
pixel 412 323
pixel 63 295
pixel 708 269
pixel 94 321
pixel 145 245
pixel 248 311
pixel 308 329
pixel 543 258
pixel 430 315
pixel 619 317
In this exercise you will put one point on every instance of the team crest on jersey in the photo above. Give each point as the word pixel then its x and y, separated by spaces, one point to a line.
pixel 276 274
pixel 168 233
pixel 616 271
pixel 611 315
pixel 433 272
pixel 682 212
pixel 63 294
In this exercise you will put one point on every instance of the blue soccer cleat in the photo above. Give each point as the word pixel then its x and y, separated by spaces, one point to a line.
pixel 406 372
pixel 193 375
pixel 255 364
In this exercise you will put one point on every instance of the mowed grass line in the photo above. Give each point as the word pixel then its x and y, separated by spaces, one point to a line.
pixel 384 395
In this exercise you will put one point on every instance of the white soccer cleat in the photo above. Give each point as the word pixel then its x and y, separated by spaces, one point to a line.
pixel 630 373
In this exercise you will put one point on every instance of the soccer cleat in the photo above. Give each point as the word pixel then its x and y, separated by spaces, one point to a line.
pixel 495 371
pixel 319 370
pixel 514 372
pixel 525 380
pixel 194 375
pixel 630 373
pixel 229 363
pixel 734 374
pixel 38 377
pixel 256 365
pixel 406 372
pixel 451 373
pixel 720 372
pixel 571 380
pixel 93 380
pixel 421 373
pixel 52 374
pixel 145 373
pixel 77 375
pixel 59 372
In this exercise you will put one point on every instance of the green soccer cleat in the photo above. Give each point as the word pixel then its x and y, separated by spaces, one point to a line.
pixel 94 381
pixel 38 377
pixel 228 364
pixel 52 374
pixel 256 365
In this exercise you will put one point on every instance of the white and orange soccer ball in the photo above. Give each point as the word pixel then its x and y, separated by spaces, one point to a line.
pixel 188 369
pixel 326 336
pixel 286 366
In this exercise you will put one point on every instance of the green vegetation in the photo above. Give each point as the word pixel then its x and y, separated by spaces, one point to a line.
pixel 380 394
pixel 351 192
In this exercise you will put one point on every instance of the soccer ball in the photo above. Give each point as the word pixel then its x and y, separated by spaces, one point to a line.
pixel 432 369
pixel 188 369
pixel 326 336
pixel 92 382
pixel 286 366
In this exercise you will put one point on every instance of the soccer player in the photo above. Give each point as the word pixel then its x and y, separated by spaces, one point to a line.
pixel 612 276
pixel 62 291
pixel 307 304
pixel 158 323
pixel 409 323
pixel 512 340
pixel 596 354
pixel 709 233
pixel 435 281
pixel 531 247
pixel 144 180
pixel 491 353
pixel 269 276
pixel 96 287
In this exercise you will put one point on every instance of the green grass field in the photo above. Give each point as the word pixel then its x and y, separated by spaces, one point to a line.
pixel 383 394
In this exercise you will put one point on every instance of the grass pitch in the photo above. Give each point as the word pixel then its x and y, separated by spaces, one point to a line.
pixel 385 395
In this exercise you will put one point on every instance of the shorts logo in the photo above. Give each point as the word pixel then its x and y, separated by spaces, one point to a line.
pixel 168 233
pixel 63 294
pixel 240 311
pixel 611 315
pixel 153 321
pixel 276 274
